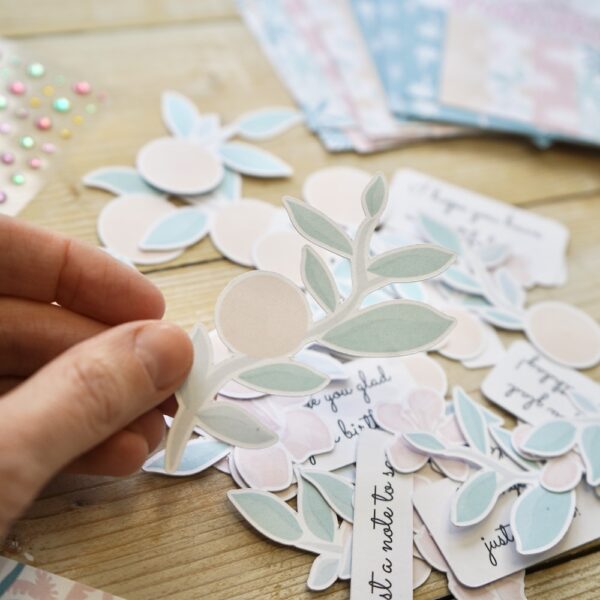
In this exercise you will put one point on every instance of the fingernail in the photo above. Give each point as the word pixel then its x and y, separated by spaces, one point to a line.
pixel 166 352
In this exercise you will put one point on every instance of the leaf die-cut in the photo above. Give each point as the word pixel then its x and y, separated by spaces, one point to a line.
pixel 551 438
pixel 391 328
pixel 176 230
pixel 540 519
pixel 412 263
pixel 316 513
pixel 191 388
pixel 232 424
pixel 199 454
pixel 290 378
pixel 374 196
pixel 318 280
pixel 501 318
pixel 268 514
pixel 511 291
pixel 119 180
pixel 323 572
pixel 318 228
pixel 503 438
pixel 266 123
pixel 472 421
pixel 179 113
pixel 475 498
pixel 437 233
pixel 335 490
pixel 424 442
pixel 461 281
pixel 251 160
pixel 589 446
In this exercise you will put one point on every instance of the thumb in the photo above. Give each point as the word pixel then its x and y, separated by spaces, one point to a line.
pixel 80 399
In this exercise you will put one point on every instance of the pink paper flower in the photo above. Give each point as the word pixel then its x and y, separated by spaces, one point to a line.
pixel 422 411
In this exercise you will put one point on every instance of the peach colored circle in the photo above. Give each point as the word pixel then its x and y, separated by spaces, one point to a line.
pixel 564 334
pixel 280 252
pixel 426 372
pixel 179 166
pixel 337 191
pixel 262 315
pixel 237 226
pixel 467 339
pixel 125 220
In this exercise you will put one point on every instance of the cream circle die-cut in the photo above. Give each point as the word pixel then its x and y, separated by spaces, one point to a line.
pixel 467 339
pixel 179 166
pixel 237 227
pixel 564 334
pixel 337 191
pixel 124 221
pixel 262 315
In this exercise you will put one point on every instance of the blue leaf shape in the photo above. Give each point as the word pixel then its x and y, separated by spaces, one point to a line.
pixel 119 180
pixel 590 452
pixel 552 438
pixel 424 442
pixel 178 229
pixel 438 233
pixel 461 281
pixel 199 454
pixel 230 187
pixel 501 318
pixel 250 160
pixel 410 291
pixel 471 420
pixel 475 499
pixel 540 519
pixel 316 513
pixel 267 122
pixel 179 114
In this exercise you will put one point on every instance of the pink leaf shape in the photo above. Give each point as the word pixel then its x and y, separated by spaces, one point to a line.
pixel 450 432
pixel 403 458
pixel 429 551
pixel 305 434
pixel 426 407
pixel 454 469
pixel 268 469
pixel 562 474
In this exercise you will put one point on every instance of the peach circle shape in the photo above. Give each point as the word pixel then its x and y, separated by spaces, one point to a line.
pixel 467 339
pixel 262 315
pixel 337 191
pixel 179 166
pixel 564 334
pixel 426 372
pixel 125 220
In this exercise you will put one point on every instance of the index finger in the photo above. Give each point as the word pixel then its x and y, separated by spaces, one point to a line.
pixel 49 267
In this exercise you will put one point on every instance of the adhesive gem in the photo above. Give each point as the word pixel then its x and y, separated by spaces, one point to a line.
pixel 78 119
pixel 35 102
pixel 65 134
pixel 3 102
pixel 48 148
pixel 62 105
pixel 5 128
pixel 44 123
pixel 17 88
pixel 82 88
pixel 35 163
pixel 36 70
pixel 91 109
pixel 48 90
pixel 27 142
pixel 7 158
pixel 3 197
pixel 18 179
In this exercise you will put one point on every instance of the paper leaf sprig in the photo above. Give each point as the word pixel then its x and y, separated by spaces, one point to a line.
pixel 313 528
pixel 502 302
pixel 264 319
pixel 542 514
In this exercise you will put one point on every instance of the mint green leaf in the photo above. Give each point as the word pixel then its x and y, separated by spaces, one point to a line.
pixel 389 329
pixel 323 572
pixel 412 263
pixel 475 499
pixel 289 378
pixel 119 180
pixel 461 281
pixel 438 233
pixel 316 513
pixel 336 491
pixel 424 442
pixel 552 438
pixel 318 228
pixel 266 123
pixel 471 420
pixel 252 160
pixel 179 114
pixel 318 280
pixel 374 196
pixel 199 454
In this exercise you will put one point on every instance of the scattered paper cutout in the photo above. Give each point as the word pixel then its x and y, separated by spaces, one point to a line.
pixel 119 180
pixel 265 123
pixel 175 231
pixel 467 340
pixel 426 373
pixel 251 160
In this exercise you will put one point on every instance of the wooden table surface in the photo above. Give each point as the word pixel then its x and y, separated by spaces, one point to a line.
pixel 148 537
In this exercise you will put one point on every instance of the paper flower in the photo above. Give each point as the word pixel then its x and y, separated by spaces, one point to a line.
pixel 422 410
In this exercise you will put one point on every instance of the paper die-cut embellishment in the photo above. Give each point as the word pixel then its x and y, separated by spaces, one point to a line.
pixel 266 123
pixel 337 491
pixel 426 373
pixel 178 230
pixel 264 319
pixel 119 181
pixel 250 160
pixel 467 340
pixel 125 221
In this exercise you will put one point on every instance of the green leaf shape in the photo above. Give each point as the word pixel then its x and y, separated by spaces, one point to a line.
pixel 335 490
pixel 589 446
pixel 119 180
pixel 323 572
pixel 316 513
pixel 471 421
pixel 475 499
pixel 438 233
pixel 424 442
pixel 179 114
pixel 318 228
pixel 268 514
pixel 199 454
pixel 503 438
pixel 290 378
pixel 413 263
pixel 233 425
pixel 540 519
pixel 318 280
pixel 391 328
pixel 374 197
pixel 549 439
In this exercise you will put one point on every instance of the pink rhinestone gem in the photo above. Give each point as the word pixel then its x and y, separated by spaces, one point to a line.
pixel 48 148
pixel 5 128
pixel 35 163
pixel 3 197
pixel 7 158
pixel 17 88
pixel 44 123
pixel 82 88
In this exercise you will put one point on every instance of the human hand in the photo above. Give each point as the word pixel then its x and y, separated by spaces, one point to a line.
pixel 79 382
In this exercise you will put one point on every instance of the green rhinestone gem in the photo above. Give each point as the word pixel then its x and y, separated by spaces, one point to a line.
pixel 18 179
pixel 36 70
pixel 91 109
pixel 27 142
pixel 62 105
pixel 3 102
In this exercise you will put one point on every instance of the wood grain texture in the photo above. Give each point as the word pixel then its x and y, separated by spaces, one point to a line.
pixel 149 537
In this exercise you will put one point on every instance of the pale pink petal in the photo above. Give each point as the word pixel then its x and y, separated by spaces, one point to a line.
pixel 426 372
pixel 268 469
pixel 429 550
pixel 391 417
pixel 454 469
pixel 421 572
pixel 519 434
pixel 426 407
pixel 403 458
pixel 223 465
pixel 562 474
pixel 450 432
pixel 305 434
